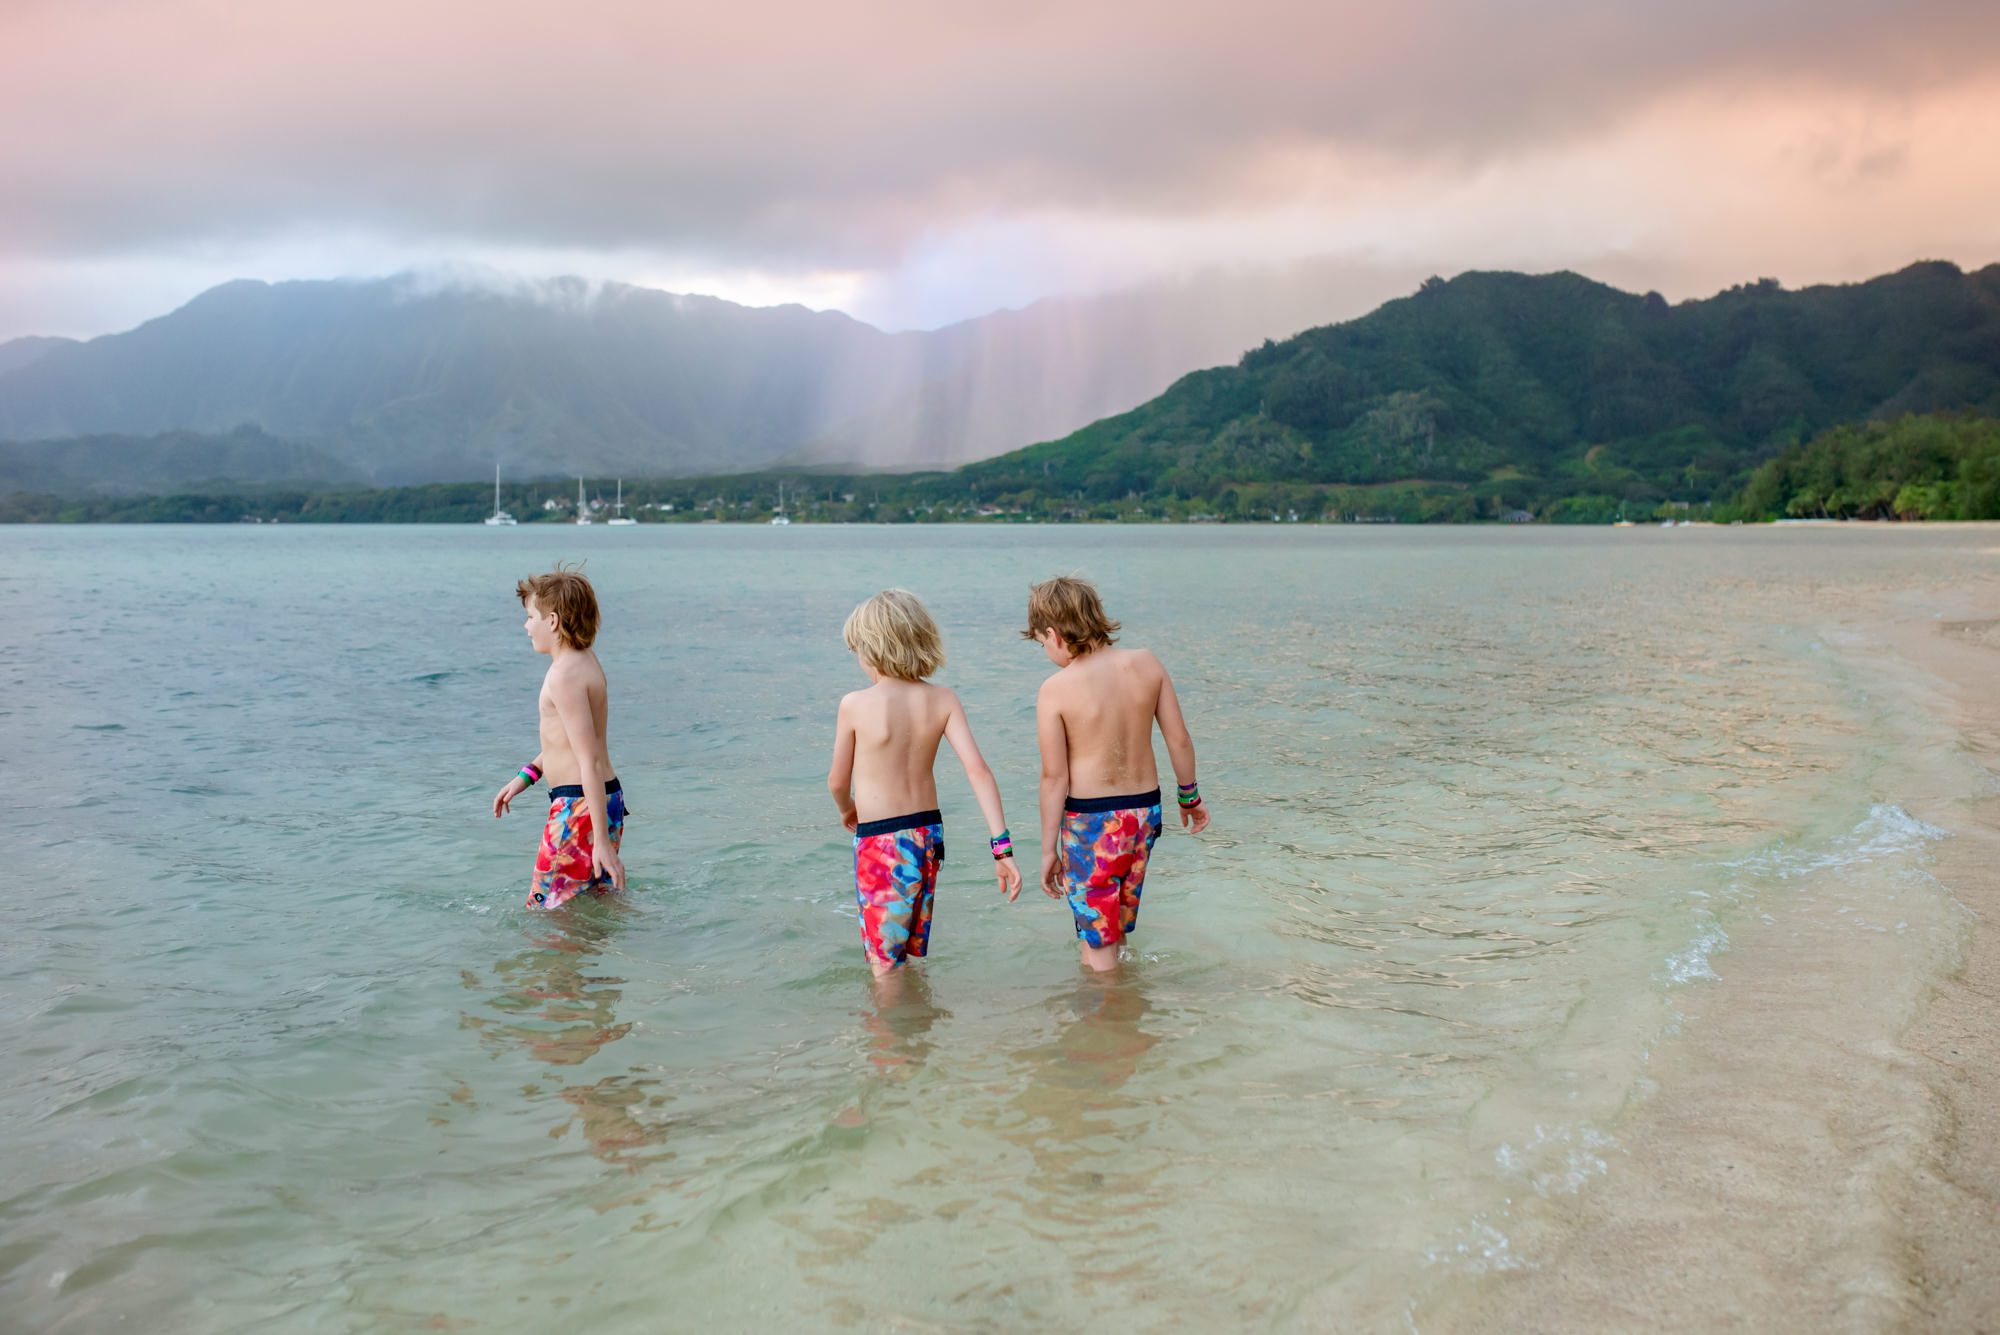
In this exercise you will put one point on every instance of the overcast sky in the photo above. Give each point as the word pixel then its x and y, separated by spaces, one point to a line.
pixel 915 163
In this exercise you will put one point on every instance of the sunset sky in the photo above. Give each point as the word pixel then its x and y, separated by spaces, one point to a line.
pixel 917 163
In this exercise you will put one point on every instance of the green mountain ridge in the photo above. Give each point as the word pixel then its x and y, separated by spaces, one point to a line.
pixel 1535 392
pixel 1490 396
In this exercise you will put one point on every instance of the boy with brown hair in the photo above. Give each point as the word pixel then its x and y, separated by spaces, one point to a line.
pixel 885 746
pixel 1100 788
pixel 586 804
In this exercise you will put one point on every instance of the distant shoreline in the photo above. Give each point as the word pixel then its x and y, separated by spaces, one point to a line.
pixel 1913 469
pixel 962 521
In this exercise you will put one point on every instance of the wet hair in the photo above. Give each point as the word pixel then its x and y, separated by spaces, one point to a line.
pixel 895 635
pixel 565 592
pixel 1071 608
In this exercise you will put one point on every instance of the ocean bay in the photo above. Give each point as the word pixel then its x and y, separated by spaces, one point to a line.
pixel 1487 802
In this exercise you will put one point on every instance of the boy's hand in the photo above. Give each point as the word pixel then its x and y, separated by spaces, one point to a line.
pixel 1194 819
pixel 851 818
pixel 1010 877
pixel 1049 870
pixel 605 862
pixel 502 800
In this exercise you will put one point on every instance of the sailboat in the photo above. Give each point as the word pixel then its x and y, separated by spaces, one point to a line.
pixel 618 518
pixel 582 510
pixel 499 518
pixel 779 520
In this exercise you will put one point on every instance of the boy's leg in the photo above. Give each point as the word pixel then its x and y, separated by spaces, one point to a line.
pixel 925 899
pixel 886 918
pixel 1099 959
pixel 887 892
pixel 1104 860
pixel 1132 882
pixel 562 866
pixel 1092 892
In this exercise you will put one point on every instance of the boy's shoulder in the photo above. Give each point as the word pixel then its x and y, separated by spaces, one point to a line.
pixel 1065 683
pixel 581 666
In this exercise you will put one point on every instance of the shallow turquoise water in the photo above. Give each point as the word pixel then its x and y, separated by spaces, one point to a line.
pixel 287 1052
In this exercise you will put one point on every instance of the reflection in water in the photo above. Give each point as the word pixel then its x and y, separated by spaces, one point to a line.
pixel 899 1020
pixel 1079 1127
pixel 564 1014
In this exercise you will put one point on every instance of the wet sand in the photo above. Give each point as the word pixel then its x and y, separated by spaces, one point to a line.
pixel 1952 1212
pixel 1822 1151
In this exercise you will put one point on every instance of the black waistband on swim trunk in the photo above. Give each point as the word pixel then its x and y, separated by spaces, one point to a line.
pixel 576 790
pixel 1089 806
pixel 915 821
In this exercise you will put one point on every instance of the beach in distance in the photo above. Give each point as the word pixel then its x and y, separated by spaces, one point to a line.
pixel 1596 931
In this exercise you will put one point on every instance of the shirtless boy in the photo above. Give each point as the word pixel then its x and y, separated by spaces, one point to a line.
pixel 584 795
pixel 1100 790
pixel 885 746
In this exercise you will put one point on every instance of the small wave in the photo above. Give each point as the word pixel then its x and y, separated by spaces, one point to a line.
pixel 1692 962
pixel 1886 831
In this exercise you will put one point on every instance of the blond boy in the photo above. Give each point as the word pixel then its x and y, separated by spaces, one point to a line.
pixel 885 747
pixel 1100 789
pixel 586 818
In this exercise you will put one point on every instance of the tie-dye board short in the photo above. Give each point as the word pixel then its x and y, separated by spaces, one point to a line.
pixel 1105 844
pixel 895 880
pixel 562 868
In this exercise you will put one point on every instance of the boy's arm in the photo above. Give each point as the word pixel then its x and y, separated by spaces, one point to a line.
pixel 514 787
pixel 1180 748
pixel 1054 743
pixel 572 704
pixel 958 731
pixel 840 776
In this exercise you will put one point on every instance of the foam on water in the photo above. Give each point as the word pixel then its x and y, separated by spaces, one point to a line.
pixel 1692 961
pixel 1887 831
pixel 1478 1248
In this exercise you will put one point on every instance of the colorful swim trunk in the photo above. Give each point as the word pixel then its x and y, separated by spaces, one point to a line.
pixel 1105 844
pixel 896 864
pixel 562 868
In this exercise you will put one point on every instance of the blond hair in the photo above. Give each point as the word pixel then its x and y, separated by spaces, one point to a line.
pixel 1071 608
pixel 565 592
pixel 895 635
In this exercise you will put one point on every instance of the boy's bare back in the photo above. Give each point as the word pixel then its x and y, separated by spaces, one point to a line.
pixel 896 726
pixel 1107 701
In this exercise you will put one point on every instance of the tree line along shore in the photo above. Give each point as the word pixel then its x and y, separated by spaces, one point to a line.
pixel 1936 466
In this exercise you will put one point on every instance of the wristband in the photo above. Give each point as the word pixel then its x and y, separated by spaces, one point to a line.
pixel 1190 796
pixel 531 774
pixel 1002 845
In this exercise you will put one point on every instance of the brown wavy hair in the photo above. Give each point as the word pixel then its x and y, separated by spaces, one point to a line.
pixel 565 592
pixel 1070 607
